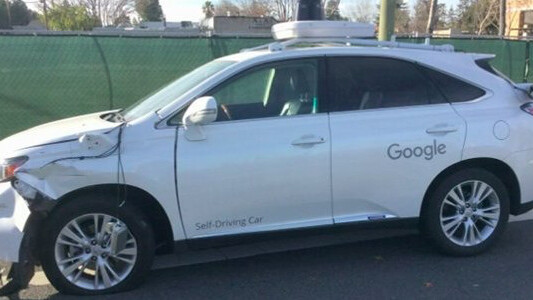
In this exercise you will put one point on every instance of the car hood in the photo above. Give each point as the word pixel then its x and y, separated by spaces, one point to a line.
pixel 55 132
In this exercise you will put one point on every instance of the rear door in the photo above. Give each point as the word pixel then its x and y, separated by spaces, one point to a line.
pixel 392 133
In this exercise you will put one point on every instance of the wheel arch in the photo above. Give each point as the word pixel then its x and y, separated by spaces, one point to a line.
pixel 140 199
pixel 499 168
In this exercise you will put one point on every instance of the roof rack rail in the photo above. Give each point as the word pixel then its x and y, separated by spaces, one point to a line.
pixel 280 46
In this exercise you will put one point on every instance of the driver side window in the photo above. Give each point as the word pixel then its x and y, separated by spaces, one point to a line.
pixel 281 89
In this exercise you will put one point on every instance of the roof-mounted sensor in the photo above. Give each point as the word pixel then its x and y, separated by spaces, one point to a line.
pixel 322 29
pixel 334 34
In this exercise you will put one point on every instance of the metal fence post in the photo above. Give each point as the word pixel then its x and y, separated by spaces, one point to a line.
pixel 107 72
pixel 526 67
pixel 386 19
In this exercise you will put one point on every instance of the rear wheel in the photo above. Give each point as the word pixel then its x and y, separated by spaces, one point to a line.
pixel 95 247
pixel 466 213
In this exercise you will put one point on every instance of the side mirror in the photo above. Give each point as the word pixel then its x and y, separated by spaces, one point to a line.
pixel 202 111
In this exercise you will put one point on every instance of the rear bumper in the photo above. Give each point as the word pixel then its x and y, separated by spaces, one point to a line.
pixel 13 216
pixel 522 164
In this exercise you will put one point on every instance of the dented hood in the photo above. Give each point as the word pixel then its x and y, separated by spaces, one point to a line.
pixel 55 132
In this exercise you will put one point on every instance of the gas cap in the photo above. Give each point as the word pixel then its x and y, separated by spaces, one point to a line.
pixel 501 130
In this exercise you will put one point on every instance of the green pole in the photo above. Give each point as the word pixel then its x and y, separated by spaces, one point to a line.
pixel 386 19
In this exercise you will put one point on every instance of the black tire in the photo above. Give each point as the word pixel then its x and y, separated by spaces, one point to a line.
pixel 431 213
pixel 134 220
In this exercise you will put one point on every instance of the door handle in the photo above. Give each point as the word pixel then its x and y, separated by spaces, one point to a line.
pixel 441 130
pixel 308 140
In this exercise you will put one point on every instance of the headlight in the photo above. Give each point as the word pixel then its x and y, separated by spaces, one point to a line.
pixel 9 166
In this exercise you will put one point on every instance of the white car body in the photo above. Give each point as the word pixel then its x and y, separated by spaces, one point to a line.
pixel 260 175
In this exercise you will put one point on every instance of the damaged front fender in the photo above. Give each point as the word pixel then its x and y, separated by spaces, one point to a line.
pixel 70 165
pixel 14 214
pixel 57 165
pixel 17 267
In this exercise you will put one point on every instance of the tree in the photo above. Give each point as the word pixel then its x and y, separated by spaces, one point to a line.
pixel 66 16
pixel 285 10
pixel 478 16
pixel 255 8
pixel 332 11
pixel 18 14
pixel 8 11
pixel 122 20
pixel 226 7
pixel 282 10
pixel 422 11
pixel 420 17
pixel 432 17
pixel 149 10
pixel 441 17
pixel 487 17
pixel 465 16
pixel 209 9
pixel 109 12
pixel 402 18
pixel 451 18
pixel 364 11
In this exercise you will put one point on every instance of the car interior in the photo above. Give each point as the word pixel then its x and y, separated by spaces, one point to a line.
pixel 276 91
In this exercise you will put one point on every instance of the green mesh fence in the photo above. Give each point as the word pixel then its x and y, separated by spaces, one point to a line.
pixel 138 66
pixel 510 55
pixel 45 78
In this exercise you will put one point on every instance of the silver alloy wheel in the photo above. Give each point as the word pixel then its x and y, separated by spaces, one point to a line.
pixel 87 255
pixel 470 213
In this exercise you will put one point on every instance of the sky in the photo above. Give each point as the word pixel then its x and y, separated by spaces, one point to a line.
pixel 191 10
pixel 182 10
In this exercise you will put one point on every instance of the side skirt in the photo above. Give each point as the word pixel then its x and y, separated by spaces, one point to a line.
pixel 335 229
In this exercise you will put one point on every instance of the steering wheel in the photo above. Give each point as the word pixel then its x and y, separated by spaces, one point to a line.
pixel 226 111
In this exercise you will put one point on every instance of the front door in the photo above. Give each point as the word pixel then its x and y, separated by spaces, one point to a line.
pixel 265 163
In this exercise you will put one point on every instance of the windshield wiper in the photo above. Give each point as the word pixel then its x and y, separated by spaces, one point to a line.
pixel 115 117
pixel 118 117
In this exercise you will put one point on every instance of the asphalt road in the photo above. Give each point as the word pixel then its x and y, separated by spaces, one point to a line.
pixel 391 268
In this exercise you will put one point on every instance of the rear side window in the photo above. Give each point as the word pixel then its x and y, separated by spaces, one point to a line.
pixel 454 90
pixel 358 83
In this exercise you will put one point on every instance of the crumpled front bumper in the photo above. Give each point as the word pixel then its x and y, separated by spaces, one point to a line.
pixel 14 213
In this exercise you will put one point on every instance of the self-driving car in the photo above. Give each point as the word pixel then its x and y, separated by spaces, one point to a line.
pixel 314 130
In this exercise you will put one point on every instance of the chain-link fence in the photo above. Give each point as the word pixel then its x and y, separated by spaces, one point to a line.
pixel 44 78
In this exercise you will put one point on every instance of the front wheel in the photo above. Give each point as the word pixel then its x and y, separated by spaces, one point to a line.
pixel 466 213
pixel 92 246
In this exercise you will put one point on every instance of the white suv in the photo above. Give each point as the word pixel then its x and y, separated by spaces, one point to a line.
pixel 279 138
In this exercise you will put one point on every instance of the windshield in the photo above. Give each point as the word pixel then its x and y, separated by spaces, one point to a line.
pixel 171 92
